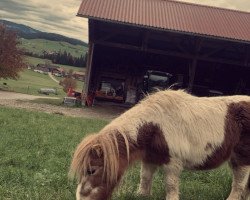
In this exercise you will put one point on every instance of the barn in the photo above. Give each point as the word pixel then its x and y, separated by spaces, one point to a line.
pixel 135 43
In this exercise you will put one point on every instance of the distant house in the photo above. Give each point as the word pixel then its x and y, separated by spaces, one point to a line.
pixel 45 68
pixel 41 68
pixel 79 76
pixel 59 71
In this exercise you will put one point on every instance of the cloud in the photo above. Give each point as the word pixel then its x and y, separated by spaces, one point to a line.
pixel 60 16
pixel 242 5
pixel 47 15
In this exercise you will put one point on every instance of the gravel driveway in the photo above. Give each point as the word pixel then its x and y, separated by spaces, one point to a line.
pixel 12 99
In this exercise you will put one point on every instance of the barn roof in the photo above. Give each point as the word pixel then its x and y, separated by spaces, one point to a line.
pixel 172 16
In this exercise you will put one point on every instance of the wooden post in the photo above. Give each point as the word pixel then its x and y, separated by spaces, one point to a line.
pixel 192 69
pixel 87 96
pixel 89 68
pixel 246 61
pixel 193 65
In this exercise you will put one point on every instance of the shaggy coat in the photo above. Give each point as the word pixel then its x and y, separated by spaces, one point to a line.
pixel 172 129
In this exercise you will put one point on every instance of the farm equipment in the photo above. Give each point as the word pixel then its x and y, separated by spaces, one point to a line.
pixel 153 81
pixel 156 80
pixel 111 90
pixel 73 98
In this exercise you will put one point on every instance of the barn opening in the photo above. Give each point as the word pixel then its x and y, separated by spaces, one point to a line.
pixel 202 49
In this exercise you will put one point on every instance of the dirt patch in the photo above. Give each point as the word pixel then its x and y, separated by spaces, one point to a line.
pixel 105 112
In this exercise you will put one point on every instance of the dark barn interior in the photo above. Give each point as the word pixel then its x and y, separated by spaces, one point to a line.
pixel 120 55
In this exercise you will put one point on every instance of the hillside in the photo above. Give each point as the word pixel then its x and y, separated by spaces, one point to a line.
pixel 36 43
pixel 27 32
pixel 38 46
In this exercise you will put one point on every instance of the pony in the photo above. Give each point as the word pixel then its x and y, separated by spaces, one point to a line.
pixel 171 129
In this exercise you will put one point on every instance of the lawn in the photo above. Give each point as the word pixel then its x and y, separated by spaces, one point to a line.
pixel 30 82
pixel 34 61
pixel 36 149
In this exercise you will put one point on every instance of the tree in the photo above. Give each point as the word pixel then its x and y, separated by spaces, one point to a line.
pixel 68 82
pixel 11 57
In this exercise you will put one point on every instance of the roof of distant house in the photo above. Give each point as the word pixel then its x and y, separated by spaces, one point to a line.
pixel 79 73
pixel 172 16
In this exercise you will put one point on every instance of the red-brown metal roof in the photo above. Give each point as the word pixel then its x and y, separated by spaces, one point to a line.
pixel 171 15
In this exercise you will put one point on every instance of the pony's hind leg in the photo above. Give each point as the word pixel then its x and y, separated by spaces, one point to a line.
pixel 147 172
pixel 240 185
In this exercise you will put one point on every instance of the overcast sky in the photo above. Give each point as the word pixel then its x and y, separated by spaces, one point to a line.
pixel 59 16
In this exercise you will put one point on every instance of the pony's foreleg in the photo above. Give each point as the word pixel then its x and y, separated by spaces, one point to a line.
pixel 173 171
pixel 239 184
pixel 147 171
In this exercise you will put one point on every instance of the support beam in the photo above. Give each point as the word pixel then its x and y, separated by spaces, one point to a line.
pixel 247 57
pixel 193 66
pixel 106 37
pixel 168 53
pixel 192 70
pixel 145 39
pixel 89 68
pixel 213 52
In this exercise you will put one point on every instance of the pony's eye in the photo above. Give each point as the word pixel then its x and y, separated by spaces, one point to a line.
pixel 90 171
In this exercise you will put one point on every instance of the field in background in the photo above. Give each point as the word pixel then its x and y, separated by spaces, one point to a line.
pixel 36 149
pixel 30 82
pixel 37 46
pixel 35 61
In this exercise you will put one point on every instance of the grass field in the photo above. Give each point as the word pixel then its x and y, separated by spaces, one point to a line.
pixel 30 82
pixel 39 45
pixel 34 61
pixel 36 149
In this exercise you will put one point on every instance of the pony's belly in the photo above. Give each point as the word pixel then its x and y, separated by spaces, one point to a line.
pixel 210 161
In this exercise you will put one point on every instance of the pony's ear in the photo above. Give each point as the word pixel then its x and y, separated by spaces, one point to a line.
pixel 96 151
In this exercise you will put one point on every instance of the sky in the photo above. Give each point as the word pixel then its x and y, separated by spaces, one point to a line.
pixel 59 16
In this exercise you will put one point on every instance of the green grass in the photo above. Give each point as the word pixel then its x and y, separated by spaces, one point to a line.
pixel 35 152
pixel 35 61
pixel 36 149
pixel 54 102
pixel 30 82
pixel 39 45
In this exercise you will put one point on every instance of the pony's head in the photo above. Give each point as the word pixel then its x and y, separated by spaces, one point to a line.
pixel 97 166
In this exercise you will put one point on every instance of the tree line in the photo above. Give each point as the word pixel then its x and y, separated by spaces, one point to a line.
pixel 63 58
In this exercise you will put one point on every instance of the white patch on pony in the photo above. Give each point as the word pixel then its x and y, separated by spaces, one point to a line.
pixel 95 190
pixel 86 188
pixel 189 123
pixel 78 190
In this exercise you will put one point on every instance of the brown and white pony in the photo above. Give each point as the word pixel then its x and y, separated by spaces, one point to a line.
pixel 171 129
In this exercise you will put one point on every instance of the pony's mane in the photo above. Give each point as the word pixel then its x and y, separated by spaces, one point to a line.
pixel 106 145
